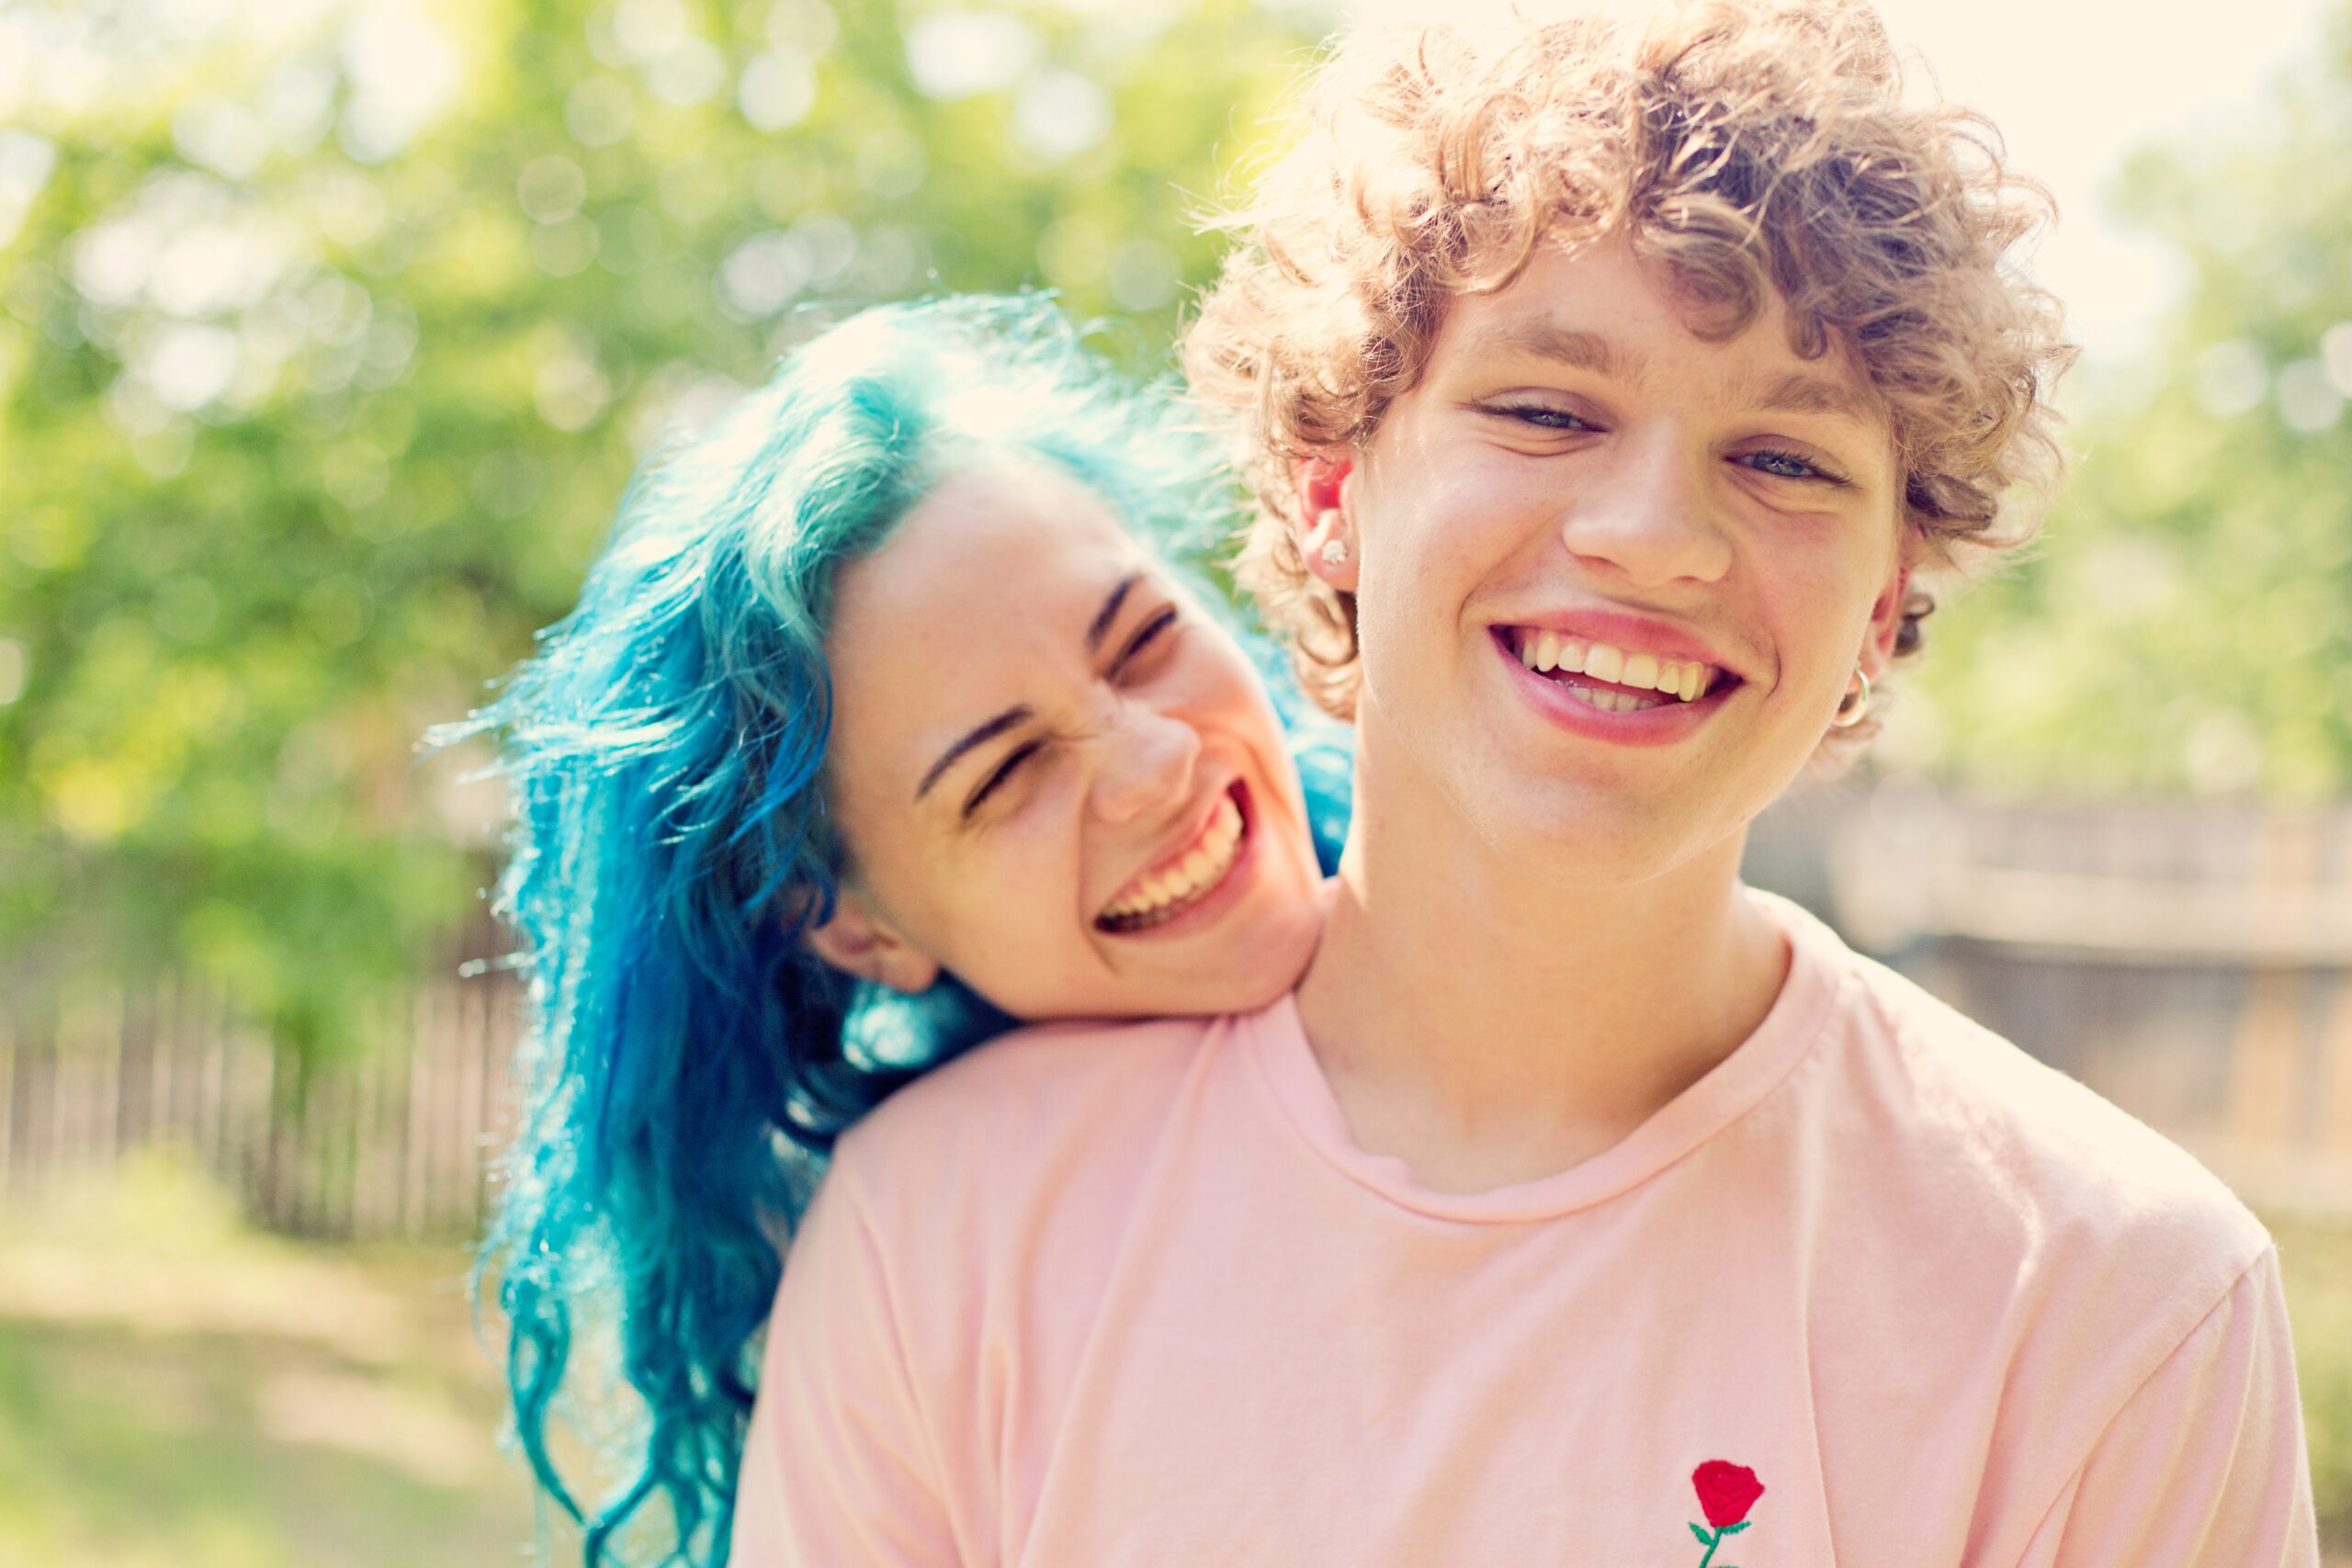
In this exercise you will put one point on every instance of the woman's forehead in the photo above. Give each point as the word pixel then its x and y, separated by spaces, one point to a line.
pixel 1001 530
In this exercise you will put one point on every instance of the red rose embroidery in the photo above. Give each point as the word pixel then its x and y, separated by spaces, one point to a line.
pixel 1727 1491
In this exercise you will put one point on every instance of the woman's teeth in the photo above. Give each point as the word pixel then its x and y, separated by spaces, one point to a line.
pixel 1683 679
pixel 1201 869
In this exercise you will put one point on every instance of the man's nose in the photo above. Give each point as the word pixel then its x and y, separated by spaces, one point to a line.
pixel 1649 515
pixel 1147 762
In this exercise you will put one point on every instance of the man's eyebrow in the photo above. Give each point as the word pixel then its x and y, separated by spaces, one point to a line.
pixel 1010 718
pixel 1799 393
pixel 1109 613
pixel 1579 350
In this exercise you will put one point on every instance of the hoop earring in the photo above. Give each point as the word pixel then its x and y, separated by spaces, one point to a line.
pixel 1847 717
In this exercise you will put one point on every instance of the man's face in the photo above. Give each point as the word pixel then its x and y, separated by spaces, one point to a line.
pixel 1579 480
pixel 1055 773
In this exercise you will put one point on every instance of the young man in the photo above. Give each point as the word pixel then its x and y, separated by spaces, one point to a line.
pixel 1604 388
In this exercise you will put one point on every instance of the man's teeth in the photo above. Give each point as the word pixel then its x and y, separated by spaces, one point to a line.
pixel 1682 679
pixel 1613 702
pixel 1203 867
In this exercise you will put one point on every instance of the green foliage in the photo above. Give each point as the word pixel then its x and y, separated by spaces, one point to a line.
pixel 2187 623
pixel 327 346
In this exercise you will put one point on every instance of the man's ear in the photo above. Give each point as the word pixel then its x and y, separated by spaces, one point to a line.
pixel 1887 622
pixel 1326 537
pixel 858 941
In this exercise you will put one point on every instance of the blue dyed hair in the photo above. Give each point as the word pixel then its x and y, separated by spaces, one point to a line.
pixel 688 1063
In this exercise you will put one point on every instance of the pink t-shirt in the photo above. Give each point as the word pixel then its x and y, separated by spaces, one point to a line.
pixel 1098 1296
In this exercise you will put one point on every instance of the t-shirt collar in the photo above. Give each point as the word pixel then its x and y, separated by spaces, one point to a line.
pixel 1276 1043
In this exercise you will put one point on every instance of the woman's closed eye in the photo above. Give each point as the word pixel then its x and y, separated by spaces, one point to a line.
pixel 1146 636
pixel 1152 635
pixel 998 774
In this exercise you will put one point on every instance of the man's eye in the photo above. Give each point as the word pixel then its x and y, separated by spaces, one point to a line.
pixel 1145 635
pixel 1004 771
pixel 1542 416
pixel 1788 466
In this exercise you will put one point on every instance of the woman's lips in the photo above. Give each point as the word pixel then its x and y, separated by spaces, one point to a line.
pixel 1193 877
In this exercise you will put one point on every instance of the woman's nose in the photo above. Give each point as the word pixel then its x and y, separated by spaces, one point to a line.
pixel 1650 518
pixel 1147 758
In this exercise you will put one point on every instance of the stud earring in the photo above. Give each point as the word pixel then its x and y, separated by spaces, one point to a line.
pixel 1853 705
pixel 1335 549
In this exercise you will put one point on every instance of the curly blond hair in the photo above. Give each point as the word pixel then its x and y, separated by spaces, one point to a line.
pixel 1749 145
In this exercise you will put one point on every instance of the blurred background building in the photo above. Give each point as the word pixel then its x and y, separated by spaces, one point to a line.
pixel 331 331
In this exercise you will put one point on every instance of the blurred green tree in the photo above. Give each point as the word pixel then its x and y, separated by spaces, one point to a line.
pixel 329 336
pixel 2186 625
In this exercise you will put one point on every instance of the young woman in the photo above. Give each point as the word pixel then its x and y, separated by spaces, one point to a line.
pixel 881 721
pixel 1605 386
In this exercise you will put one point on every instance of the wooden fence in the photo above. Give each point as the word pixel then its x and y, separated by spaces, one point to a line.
pixel 397 1143
pixel 2193 963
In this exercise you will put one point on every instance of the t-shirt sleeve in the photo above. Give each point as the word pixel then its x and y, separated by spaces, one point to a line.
pixel 838 1465
pixel 2205 1466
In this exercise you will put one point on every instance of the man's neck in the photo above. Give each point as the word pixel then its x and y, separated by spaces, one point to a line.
pixel 1489 1025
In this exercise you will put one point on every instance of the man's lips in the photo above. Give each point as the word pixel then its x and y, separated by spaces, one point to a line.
pixel 1628 633
pixel 1576 663
pixel 1610 712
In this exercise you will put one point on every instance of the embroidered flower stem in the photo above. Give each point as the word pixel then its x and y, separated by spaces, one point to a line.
pixel 1715 1538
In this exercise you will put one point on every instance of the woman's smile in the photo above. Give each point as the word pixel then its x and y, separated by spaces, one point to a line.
pixel 1065 784
pixel 1180 881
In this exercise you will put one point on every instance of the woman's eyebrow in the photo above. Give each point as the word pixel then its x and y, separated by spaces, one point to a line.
pixel 1008 719
pixel 1110 611
pixel 1012 716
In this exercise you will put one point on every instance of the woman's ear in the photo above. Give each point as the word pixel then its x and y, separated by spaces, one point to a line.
pixel 1327 540
pixel 858 941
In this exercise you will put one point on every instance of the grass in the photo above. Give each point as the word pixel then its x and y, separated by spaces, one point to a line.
pixel 178 1392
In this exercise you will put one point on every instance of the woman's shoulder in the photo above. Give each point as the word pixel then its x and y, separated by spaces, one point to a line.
pixel 1006 1111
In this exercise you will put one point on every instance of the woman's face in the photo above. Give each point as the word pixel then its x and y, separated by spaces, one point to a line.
pixel 1055 776
pixel 1580 502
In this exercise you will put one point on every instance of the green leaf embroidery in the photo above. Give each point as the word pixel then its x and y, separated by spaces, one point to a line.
pixel 1734 1530
pixel 1704 1538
